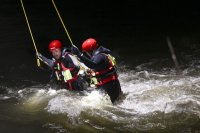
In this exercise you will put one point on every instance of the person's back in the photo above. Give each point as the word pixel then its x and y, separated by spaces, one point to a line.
pixel 106 73
pixel 100 57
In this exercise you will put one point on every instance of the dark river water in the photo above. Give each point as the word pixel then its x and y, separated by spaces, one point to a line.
pixel 157 98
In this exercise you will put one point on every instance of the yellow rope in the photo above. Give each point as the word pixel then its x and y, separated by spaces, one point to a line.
pixel 67 33
pixel 38 61
pixel 62 23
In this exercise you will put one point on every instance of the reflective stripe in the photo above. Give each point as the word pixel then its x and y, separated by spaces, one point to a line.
pixel 93 82
pixel 73 79
pixel 58 78
pixel 67 75
pixel 63 73
pixel 58 65
pixel 112 60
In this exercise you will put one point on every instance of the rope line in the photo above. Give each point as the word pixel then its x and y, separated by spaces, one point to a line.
pixel 38 61
pixel 62 23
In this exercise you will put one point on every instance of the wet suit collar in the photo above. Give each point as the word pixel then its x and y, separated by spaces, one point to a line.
pixel 101 49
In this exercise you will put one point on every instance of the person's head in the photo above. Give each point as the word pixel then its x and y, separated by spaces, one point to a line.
pixel 55 47
pixel 89 45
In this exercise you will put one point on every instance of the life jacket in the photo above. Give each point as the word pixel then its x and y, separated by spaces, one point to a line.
pixel 99 78
pixel 64 74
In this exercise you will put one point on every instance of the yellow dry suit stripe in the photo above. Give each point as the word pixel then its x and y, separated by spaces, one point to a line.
pixel 38 61
pixel 62 23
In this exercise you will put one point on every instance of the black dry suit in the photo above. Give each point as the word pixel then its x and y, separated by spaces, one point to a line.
pixel 65 71
pixel 104 71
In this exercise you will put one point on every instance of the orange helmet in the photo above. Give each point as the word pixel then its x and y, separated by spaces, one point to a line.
pixel 55 44
pixel 89 44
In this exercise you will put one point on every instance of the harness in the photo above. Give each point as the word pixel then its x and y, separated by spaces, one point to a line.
pixel 99 78
pixel 64 74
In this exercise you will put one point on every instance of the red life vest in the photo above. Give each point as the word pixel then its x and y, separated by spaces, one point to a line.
pixel 64 74
pixel 107 75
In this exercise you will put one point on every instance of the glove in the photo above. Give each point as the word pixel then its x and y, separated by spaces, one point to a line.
pixel 75 51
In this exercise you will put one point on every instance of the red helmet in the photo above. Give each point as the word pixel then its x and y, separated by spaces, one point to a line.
pixel 89 44
pixel 55 44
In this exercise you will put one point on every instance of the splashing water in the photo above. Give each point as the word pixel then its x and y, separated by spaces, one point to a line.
pixel 151 101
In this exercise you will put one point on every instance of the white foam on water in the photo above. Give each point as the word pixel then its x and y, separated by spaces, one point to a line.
pixel 148 92
pixel 73 105
pixel 4 97
pixel 145 93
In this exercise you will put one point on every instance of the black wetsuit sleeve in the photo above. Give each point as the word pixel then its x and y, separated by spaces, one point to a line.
pixel 47 61
pixel 92 63
pixel 88 62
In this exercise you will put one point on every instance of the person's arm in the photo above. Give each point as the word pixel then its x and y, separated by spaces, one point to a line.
pixel 48 62
pixel 88 62
pixel 93 63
